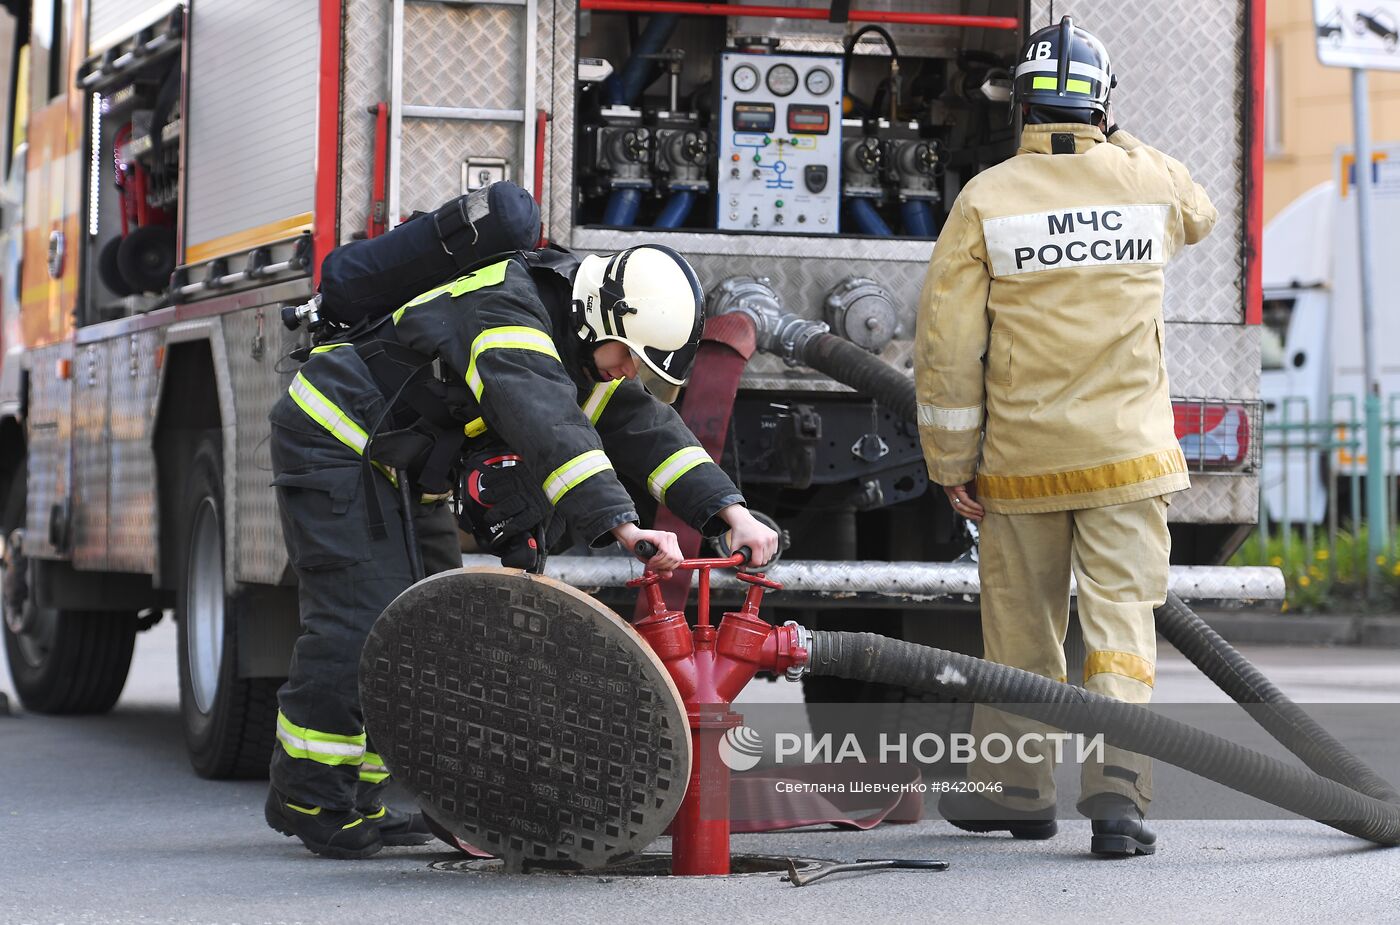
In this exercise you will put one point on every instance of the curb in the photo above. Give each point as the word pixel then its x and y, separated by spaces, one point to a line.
pixel 1321 630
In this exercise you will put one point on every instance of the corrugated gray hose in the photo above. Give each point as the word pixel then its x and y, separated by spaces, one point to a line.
pixel 863 371
pixel 1193 637
pixel 1227 669
pixel 952 676
pixel 1282 718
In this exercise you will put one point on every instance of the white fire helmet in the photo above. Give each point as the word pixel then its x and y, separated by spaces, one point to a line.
pixel 649 298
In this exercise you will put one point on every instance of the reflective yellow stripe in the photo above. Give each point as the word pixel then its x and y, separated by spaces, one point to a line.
pixel 510 337
pixel 351 825
pixel 672 468
pixel 1072 85
pixel 1122 663
pixel 322 747
pixel 598 399
pixel 475 427
pixel 576 470
pixel 372 771
pixel 326 413
pixel 308 810
pixel 327 348
pixel 1079 481
pixel 493 275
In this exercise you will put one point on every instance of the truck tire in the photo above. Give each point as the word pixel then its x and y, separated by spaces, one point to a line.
pixel 230 722
pixel 62 661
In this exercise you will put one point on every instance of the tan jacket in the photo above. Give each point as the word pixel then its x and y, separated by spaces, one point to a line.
pixel 1040 366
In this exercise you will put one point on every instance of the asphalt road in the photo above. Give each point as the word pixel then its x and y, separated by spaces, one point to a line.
pixel 101 820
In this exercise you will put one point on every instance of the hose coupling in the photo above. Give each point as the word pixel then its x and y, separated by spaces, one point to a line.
pixel 777 331
pixel 804 642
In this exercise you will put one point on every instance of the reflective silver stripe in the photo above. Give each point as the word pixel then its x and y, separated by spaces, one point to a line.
pixel 1052 66
pixel 598 399
pixel 321 410
pixel 298 744
pixel 956 419
pixel 672 468
pixel 576 470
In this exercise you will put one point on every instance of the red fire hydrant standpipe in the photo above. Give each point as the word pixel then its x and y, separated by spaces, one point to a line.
pixel 710 665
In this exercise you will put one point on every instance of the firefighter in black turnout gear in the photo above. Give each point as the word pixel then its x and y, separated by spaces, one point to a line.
pixel 537 408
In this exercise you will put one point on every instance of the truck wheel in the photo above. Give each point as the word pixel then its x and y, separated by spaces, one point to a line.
pixel 229 721
pixel 62 661
pixel 146 258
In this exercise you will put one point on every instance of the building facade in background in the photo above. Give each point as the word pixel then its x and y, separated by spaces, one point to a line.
pixel 1308 107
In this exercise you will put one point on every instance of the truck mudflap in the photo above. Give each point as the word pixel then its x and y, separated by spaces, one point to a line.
pixel 894 584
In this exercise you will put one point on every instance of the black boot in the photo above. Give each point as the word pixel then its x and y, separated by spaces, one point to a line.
pixel 973 812
pixel 1118 827
pixel 398 828
pixel 329 833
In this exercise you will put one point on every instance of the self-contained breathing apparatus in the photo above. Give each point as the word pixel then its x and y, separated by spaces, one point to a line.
pixel 420 436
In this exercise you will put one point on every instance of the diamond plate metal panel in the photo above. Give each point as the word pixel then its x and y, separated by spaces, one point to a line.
pixel 462 56
pixel 1213 360
pixel 364 83
pixel 559 206
pixel 433 153
pixel 1217 499
pixel 1184 95
pixel 50 427
pixel 91 458
pixel 132 518
pixel 259 374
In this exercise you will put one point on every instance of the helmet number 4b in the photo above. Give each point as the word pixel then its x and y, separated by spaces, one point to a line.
pixel 1038 52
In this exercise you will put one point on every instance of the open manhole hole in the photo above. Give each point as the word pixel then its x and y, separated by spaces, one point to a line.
pixel 645 865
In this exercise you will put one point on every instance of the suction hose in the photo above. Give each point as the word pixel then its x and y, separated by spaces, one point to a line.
pixel 1282 718
pixel 917 216
pixel 625 88
pixel 868 657
pixel 866 219
pixel 622 207
pixel 800 340
pixel 676 210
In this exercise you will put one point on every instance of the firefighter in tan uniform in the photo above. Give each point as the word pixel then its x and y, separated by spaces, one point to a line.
pixel 1044 413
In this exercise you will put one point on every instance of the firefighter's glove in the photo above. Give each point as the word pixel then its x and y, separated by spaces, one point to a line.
pixel 502 506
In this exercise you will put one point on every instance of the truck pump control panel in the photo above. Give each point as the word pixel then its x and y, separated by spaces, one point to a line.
pixel 779 143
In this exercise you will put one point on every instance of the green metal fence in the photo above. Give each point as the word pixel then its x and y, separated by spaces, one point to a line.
pixel 1312 505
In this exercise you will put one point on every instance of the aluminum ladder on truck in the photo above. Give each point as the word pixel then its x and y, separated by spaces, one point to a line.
pixel 435 18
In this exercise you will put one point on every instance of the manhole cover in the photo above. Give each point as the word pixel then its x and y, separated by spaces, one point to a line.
pixel 646 865
pixel 526 718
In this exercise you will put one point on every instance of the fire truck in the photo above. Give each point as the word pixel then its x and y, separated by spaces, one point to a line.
pixel 180 169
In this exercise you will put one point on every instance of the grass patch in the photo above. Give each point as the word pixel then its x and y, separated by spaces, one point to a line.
pixel 1325 577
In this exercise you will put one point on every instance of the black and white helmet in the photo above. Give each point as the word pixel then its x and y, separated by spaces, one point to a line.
pixel 649 298
pixel 1063 67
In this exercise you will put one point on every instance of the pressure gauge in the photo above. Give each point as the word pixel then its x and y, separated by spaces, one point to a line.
pixel 819 81
pixel 782 79
pixel 744 78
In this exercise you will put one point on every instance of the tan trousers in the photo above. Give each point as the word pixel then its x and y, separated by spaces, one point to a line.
pixel 1119 558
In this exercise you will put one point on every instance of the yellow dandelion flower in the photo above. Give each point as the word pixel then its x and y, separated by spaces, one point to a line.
pixel 1304 581
pixel 1284 607
pixel 1276 561
pixel 1380 560
pixel 1314 571
pixel 1396 570
pixel 1323 555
